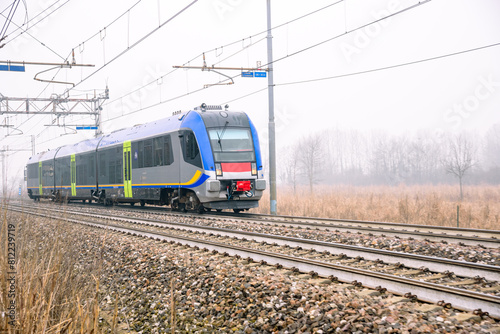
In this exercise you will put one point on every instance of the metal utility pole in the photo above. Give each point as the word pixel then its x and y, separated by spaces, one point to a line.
pixel 32 145
pixel 4 171
pixel 272 135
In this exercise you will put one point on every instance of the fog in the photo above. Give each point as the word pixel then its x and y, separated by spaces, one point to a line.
pixel 376 95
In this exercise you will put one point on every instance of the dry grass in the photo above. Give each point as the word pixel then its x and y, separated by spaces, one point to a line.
pixel 426 205
pixel 56 289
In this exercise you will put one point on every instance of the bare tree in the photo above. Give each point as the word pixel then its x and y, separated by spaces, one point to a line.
pixel 289 170
pixel 461 157
pixel 310 156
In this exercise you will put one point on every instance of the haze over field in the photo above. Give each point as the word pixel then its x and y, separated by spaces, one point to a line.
pixel 432 69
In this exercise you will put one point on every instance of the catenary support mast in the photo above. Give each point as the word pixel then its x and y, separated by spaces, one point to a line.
pixel 272 144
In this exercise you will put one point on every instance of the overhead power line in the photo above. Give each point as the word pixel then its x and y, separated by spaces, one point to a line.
pixel 135 44
pixel 391 66
pixel 282 58
pixel 36 39
pixel 9 18
pixel 368 71
pixel 225 46
pixel 37 22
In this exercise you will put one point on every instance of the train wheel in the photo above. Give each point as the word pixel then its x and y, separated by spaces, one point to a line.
pixel 201 209
pixel 237 210
pixel 182 207
pixel 143 203
pixel 132 204
pixel 219 210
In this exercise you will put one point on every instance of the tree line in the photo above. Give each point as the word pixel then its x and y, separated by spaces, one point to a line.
pixel 347 156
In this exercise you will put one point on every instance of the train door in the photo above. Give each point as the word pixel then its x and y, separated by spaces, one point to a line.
pixel 40 176
pixel 73 175
pixel 182 170
pixel 127 168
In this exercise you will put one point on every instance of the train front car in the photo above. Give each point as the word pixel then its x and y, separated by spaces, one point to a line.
pixel 231 157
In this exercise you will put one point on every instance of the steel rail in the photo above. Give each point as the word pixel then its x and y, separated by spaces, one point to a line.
pixel 459 268
pixel 424 291
pixel 467 236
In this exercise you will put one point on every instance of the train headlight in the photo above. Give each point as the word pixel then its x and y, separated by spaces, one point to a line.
pixel 254 168
pixel 218 170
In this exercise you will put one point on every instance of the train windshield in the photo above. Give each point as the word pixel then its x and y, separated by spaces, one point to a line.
pixel 232 144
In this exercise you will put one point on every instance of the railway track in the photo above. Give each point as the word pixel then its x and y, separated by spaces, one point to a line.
pixel 454 235
pixel 420 277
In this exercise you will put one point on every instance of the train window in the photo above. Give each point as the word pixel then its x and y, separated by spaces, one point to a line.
pixel 33 171
pixel 190 149
pixel 140 154
pixel 102 165
pixel 91 166
pixel 158 149
pixel 232 144
pixel 191 146
pixel 167 151
pixel 119 171
pixel 148 153
pixel 112 172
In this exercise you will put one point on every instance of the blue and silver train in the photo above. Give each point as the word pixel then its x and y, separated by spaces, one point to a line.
pixel 207 158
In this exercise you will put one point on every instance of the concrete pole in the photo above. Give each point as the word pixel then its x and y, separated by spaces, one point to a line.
pixel 272 134
pixel 33 145
pixel 4 172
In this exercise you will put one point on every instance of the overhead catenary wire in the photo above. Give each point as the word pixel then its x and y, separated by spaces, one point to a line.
pixel 226 46
pixel 36 39
pixel 99 33
pixel 134 45
pixel 285 57
pixel 370 70
pixel 37 22
pixel 414 62
pixel 9 18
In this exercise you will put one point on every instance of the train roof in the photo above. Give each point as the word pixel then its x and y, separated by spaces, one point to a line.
pixel 146 130
pixel 88 145
pixel 192 119
pixel 43 156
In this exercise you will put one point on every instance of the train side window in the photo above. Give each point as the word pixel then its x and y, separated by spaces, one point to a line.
pixel 66 167
pixel 33 171
pixel 148 153
pixel 140 154
pixel 91 166
pixel 158 149
pixel 119 171
pixel 190 149
pixel 112 172
pixel 102 164
pixel 167 151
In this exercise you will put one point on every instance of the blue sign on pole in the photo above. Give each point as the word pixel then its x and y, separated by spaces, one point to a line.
pixel 247 74
pixel 13 68
pixel 86 127
pixel 260 74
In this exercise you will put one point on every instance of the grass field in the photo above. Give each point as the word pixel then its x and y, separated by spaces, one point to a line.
pixel 426 205
pixel 51 287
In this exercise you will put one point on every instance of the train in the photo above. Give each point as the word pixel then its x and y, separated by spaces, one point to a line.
pixel 207 158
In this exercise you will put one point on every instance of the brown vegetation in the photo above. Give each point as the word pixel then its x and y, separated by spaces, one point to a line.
pixel 55 283
pixel 425 205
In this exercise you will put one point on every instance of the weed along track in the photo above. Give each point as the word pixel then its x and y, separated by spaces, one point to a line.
pixel 254 281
